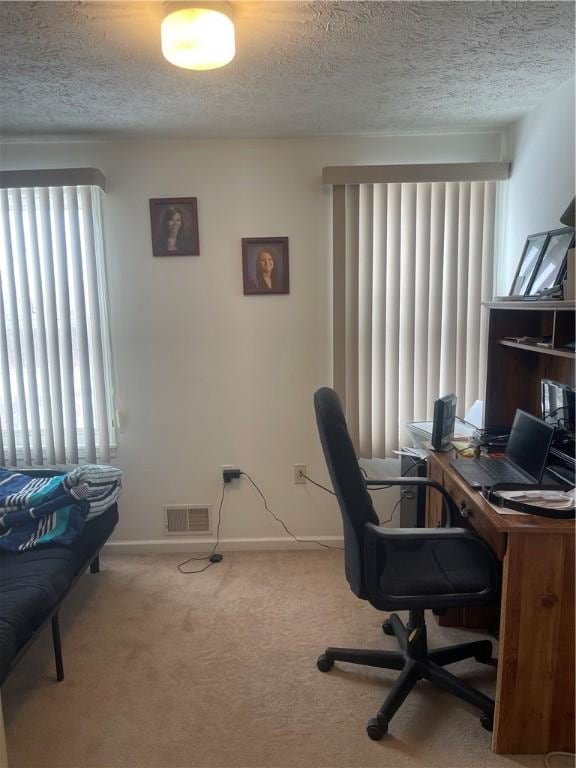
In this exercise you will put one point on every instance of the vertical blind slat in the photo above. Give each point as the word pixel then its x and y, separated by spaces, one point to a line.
pixel 379 321
pixel 392 312
pixel 36 294
pixel 487 289
pixel 12 301
pixel 449 285
pixel 6 414
pixel 339 318
pixel 25 316
pixel 51 324
pixel 461 293
pixel 407 288
pixel 421 307
pixel 352 224
pixel 64 327
pixel 474 292
pixel 108 416
pixel 435 303
pixel 95 324
pixel 365 252
pixel 77 283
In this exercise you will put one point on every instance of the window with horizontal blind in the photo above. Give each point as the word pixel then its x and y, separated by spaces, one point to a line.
pixel 56 397
pixel 413 252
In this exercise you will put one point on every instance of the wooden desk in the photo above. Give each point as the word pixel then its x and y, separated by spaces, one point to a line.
pixel 535 681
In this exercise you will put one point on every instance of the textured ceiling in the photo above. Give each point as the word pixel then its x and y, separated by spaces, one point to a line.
pixel 92 69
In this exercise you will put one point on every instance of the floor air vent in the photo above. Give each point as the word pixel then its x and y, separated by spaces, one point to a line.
pixel 187 520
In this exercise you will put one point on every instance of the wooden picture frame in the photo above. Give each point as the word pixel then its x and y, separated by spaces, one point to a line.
pixel 265 266
pixel 174 226
pixel 528 263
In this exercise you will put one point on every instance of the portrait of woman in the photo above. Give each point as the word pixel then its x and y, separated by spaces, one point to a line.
pixel 174 227
pixel 265 265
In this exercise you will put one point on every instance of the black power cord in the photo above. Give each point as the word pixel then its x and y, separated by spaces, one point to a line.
pixel 213 557
pixel 323 487
pixel 282 523
pixel 317 484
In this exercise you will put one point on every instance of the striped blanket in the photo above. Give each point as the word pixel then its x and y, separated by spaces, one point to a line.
pixel 35 511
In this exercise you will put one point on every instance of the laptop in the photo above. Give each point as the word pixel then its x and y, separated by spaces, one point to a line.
pixel 525 459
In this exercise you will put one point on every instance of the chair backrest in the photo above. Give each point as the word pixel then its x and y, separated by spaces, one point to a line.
pixel 354 500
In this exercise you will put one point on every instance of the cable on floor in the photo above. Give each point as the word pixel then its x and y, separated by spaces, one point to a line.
pixel 209 555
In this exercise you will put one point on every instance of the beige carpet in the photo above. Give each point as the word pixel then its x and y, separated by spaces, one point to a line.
pixel 218 669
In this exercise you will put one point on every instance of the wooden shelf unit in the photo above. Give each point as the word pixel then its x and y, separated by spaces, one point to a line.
pixel 515 369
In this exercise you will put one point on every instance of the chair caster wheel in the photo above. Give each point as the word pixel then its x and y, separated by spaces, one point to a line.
pixel 487 722
pixel 376 730
pixel 485 655
pixel 387 627
pixel 324 664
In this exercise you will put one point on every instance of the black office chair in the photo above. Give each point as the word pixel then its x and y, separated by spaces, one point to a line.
pixel 405 569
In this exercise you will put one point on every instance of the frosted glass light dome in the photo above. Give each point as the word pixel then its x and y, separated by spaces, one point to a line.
pixel 198 38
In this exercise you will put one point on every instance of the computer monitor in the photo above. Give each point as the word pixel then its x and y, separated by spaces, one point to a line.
pixel 443 422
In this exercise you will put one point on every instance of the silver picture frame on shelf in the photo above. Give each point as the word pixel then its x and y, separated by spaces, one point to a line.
pixel 552 262
pixel 528 263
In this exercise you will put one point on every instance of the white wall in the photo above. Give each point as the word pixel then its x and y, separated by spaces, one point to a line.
pixel 542 181
pixel 206 376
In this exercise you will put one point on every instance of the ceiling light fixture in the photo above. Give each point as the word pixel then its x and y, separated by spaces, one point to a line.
pixel 198 35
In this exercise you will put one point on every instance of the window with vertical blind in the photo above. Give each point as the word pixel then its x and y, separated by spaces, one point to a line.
pixel 413 255
pixel 56 397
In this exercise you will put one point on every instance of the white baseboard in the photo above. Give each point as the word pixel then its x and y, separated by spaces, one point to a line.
pixel 225 545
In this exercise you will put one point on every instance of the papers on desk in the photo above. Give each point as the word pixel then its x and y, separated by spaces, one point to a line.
pixel 416 453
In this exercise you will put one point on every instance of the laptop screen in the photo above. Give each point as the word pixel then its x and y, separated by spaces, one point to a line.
pixel 529 443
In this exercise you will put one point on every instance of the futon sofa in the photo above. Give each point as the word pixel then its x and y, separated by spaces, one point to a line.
pixel 34 584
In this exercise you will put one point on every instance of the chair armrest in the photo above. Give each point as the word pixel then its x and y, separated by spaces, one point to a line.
pixel 450 508
pixel 377 540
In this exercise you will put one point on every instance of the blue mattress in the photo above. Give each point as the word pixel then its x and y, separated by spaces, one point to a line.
pixel 31 583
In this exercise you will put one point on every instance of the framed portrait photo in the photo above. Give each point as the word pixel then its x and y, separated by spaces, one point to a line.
pixel 528 262
pixel 552 264
pixel 174 225
pixel 265 265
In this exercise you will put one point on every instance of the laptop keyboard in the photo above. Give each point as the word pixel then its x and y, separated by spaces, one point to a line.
pixel 499 471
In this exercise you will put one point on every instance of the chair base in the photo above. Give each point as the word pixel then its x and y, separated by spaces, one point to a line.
pixel 416 663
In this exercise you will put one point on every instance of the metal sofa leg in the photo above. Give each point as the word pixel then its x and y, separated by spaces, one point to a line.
pixel 95 565
pixel 57 648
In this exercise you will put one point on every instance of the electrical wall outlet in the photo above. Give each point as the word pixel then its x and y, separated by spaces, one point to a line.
pixel 299 472
pixel 230 473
